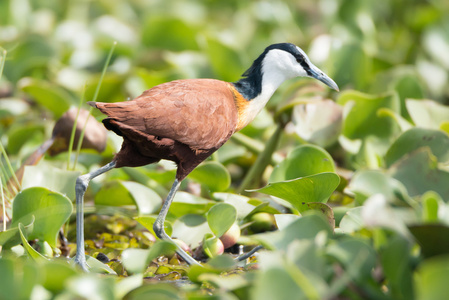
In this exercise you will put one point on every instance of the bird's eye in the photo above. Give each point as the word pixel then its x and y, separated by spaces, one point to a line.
pixel 300 59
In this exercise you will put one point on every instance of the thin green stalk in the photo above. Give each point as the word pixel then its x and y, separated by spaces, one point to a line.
pixel 72 135
pixel 8 163
pixel 254 146
pixel 262 161
pixel 3 206
pixel 2 65
pixel 97 90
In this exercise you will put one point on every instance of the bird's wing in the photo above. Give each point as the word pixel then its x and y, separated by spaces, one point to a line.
pixel 197 112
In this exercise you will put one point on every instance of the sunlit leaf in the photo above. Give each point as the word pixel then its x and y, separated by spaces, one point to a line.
pixel 50 210
pixel 55 179
pixel 220 218
pixel 148 221
pixel 212 174
pixel 427 113
pixel 415 138
pixel 50 96
pixel 303 161
pixel 313 188
pixel 431 278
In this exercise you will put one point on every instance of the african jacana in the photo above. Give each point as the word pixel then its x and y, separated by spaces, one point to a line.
pixel 185 121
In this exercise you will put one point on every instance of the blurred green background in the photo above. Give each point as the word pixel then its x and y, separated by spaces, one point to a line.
pixel 374 136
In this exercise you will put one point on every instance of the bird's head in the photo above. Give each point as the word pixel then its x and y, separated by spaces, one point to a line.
pixel 283 61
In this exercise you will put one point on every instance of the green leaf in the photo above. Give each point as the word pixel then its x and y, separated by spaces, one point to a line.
pixel 397 267
pixel 117 193
pixel 220 218
pixel 56 274
pixel 50 96
pixel 148 221
pixel 225 61
pixel 160 291
pixel 185 203
pixel 432 238
pixel 419 173
pixel 306 227
pixel 431 279
pixel 240 203
pixel 427 113
pixel 19 277
pixel 213 175
pixel 55 179
pixel 20 135
pixel 415 138
pixel 30 250
pixel 314 188
pixel 303 161
pixel 182 36
pixel 318 122
pixel 352 220
pixel 362 120
pixel 356 255
pixel 191 229
pixel 50 210
pixel 137 260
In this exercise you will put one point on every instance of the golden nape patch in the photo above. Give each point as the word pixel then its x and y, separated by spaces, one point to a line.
pixel 242 105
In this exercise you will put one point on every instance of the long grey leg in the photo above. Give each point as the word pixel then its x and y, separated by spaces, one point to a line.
pixel 81 185
pixel 158 226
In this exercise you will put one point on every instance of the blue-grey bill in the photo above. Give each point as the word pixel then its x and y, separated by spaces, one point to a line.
pixel 318 74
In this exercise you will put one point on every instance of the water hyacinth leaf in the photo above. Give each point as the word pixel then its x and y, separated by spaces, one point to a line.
pixel 162 291
pixel 427 113
pixel 186 203
pixel 182 35
pixel 283 220
pixel 352 220
pixel 11 237
pixel 415 138
pixel 306 227
pixel 216 265
pixel 191 229
pixel 118 193
pixel 30 250
pixel 431 278
pixel 303 161
pixel 225 61
pixel 55 179
pixel 20 135
pixel 318 122
pixel 355 255
pixel 396 264
pixel 298 192
pixel 419 173
pixel 213 175
pixel 55 275
pixel 148 221
pixel 146 200
pixel 325 209
pixel 361 115
pixel 137 260
pixel 50 210
pixel 18 278
pixel 220 218
pixel 50 96
pixel 240 203
pixel 433 238
pixel 402 122
pixel 366 183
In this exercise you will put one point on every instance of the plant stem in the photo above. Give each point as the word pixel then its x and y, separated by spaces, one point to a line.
pixel 262 161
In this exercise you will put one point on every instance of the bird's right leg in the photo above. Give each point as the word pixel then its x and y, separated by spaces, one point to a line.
pixel 158 226
pixel 81 185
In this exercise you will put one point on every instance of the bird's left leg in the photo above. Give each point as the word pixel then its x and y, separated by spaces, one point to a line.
pixel 158 226
pixel 81 185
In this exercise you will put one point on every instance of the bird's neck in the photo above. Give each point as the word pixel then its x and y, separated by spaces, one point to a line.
pixel 257 86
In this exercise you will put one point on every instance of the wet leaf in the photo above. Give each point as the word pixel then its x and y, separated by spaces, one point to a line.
pixel 313 188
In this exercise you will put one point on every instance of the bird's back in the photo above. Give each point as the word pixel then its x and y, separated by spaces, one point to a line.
pixel 200 113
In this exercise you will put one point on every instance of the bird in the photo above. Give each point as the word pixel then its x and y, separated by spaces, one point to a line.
pixel 187 120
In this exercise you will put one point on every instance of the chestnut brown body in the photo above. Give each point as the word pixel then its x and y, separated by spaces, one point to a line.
pixel 184 121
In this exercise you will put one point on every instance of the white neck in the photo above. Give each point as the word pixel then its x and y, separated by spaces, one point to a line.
pixel 273 75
